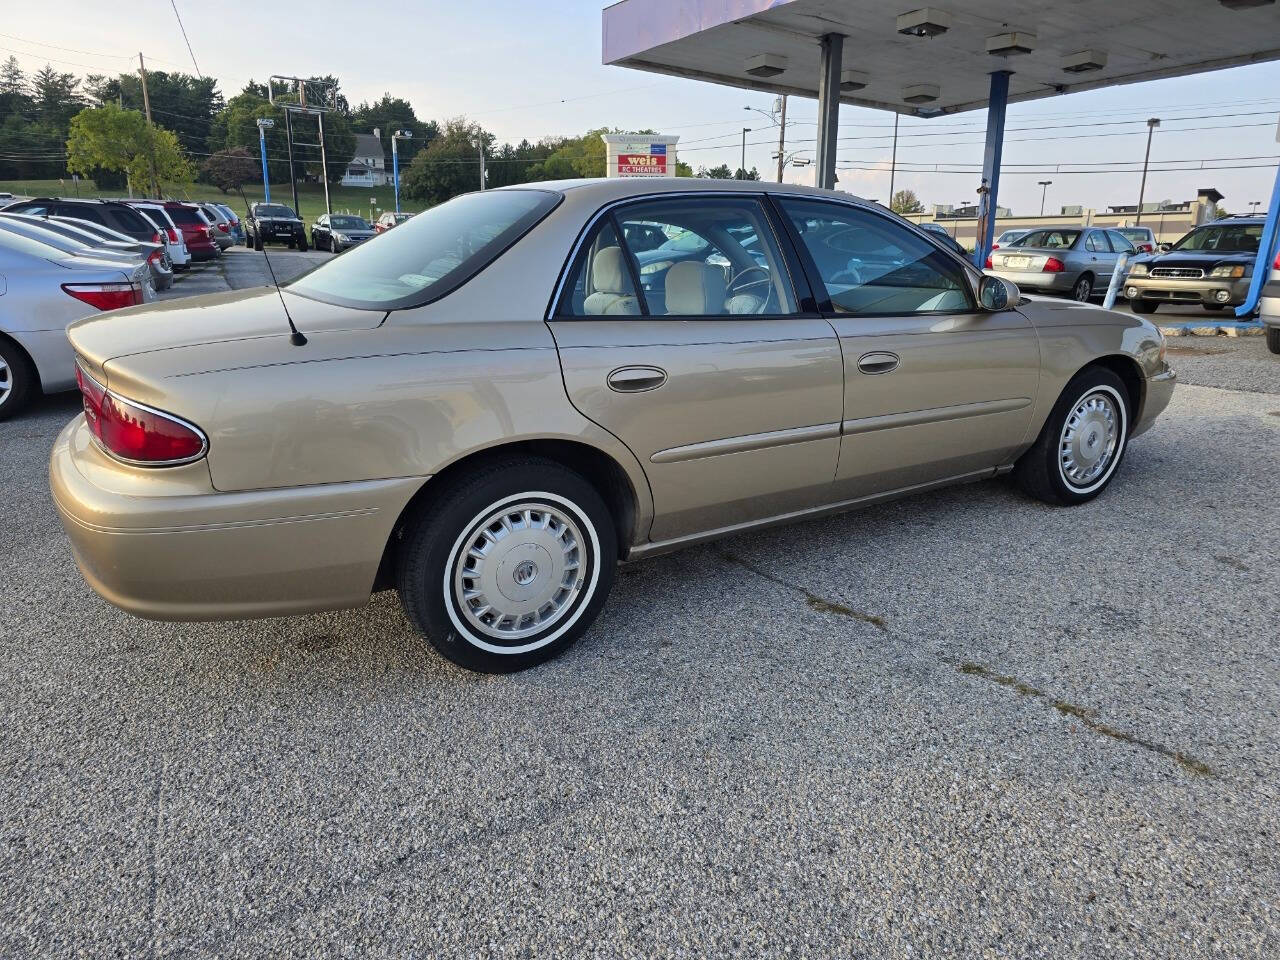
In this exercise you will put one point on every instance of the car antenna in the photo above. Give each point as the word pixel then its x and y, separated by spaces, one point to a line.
pixel 296 337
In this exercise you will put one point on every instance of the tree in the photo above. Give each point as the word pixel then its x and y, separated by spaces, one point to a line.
pixel 683 169
pixel 450 164
pixel 1219 211
pixel 180 102
pixel 721 172
pixel 905 201
pixel 231 169
pixel 741 174
pixel 122 140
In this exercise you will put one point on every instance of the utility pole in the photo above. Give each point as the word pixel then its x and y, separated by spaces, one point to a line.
pixel 782 136
pixel 1044 188
pixel 742 170
pixel 151 148
pixel 1142 190
pixel 482 173
pixel 893 162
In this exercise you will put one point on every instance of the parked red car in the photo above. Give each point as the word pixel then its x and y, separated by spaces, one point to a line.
pixel 196 229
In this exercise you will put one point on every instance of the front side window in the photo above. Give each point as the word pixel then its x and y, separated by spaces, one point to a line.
pixel 1120 243
pixel 873 266
pixel 1097 242
pixel 1224 238
pixel 430 255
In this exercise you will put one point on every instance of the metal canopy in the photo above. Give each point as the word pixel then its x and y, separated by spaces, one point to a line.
pixel 1140 40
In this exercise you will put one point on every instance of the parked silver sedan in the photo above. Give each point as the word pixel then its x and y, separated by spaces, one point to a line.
pixel 1073 261
pixel 44 290
pixel 71 237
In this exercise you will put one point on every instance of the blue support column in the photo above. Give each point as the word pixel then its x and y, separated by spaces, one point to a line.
pixel 1267 248
pixel 395 170
pixel 996 104
pixel 266 182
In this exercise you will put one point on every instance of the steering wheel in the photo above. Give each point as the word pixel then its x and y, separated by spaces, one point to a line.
pixel 735 288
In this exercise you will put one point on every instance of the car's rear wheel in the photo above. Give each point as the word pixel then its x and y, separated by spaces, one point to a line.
pixel 1083 289
pixel 1082 442
pixel 1273 339
pixel 17 379
pixel 509 565
pixel 1143 306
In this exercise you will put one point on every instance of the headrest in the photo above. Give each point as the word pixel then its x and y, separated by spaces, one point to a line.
pixel 695 289
pixel 609 273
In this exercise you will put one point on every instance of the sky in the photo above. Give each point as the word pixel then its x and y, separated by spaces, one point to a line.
pixel 529 70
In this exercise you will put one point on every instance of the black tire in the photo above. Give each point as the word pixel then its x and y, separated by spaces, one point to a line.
pixel 1041 471
pixel 1083 288
pixel 257 242
pixel 17 379
pixel 302 244
pixel 292 244
pixel 434 562
pixel 1273 339
pixel 1143 306
pixel 1214 307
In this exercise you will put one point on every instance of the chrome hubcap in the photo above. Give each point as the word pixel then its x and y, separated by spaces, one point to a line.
pixel 1089 439
pixel 518 570
pixel 6 381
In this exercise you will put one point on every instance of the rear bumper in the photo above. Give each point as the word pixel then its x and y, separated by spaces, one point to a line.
pixel 200 254
pixel 1037 280
pixel 164 544
pixel 1164 290
pixel 1270 304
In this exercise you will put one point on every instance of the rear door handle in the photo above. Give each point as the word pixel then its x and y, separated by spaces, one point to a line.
pixel 636 379
pixel 878 362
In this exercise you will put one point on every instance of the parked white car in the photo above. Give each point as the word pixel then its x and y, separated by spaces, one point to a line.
pixel 45 289
pixel 179 255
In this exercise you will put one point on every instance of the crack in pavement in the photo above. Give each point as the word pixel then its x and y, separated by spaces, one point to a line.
pixel 1086 716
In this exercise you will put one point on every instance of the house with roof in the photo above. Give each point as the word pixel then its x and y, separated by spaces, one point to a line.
pixel 368 168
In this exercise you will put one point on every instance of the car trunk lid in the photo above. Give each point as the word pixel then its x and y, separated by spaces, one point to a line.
pixel 1024 259
pixel 216 318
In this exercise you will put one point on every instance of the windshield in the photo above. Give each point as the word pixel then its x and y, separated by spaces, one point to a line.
pixel 1049 239
pixel 1227 238
pixel 274 210
pixel 429 255
pixel 349 223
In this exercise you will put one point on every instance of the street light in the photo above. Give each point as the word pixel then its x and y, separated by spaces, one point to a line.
pixel 781 123
pixel 1253 206
pixel 264 124
pixel 743 168
pixel 1142 190
pixel 395 160
pixel 1044 188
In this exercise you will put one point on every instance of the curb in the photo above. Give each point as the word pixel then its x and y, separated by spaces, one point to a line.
pixel 1198 328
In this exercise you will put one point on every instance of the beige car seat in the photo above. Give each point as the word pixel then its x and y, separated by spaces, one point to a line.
pixel 609 280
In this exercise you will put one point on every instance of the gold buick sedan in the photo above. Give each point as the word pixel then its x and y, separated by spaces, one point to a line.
pixel 493 404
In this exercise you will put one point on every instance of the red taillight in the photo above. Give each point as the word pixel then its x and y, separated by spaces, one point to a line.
pixel 988 263
pixel 156 238
pixel 1277 263
pixel 106 296
pixel 995 246
pixel 155 256
pixel 223 227
pixel 173 234
pixel 1053 265
pixel 136 433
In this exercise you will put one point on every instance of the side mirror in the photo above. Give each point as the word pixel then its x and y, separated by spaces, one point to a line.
pixel 1164 247
pixel 996 293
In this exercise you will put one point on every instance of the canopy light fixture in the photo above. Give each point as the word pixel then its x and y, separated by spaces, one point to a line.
pixel 1244 4
pixel 921 93
pixel 1009 44
pixel 1084 61
pixel 851 80
pixel 766 65
pixel 925 22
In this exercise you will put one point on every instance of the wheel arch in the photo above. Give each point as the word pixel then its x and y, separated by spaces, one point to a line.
pixel 1130 374
pixel 599 468
pixel 25 354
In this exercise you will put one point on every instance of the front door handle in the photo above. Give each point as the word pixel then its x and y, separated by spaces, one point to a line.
pixel 636 379
pixel 879 362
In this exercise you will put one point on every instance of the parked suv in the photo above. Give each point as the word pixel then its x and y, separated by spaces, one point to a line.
pixel 196 229
pixel 221 223
pixel 1211 266
pixel 154 211
pixel 114 214
pixel 274 223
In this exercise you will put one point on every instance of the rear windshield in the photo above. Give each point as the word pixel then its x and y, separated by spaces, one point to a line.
pixel 1225 238
pixel 273 210
pixel 187 215
pixel 1135 234
pixel 429 255
pixel 1049 239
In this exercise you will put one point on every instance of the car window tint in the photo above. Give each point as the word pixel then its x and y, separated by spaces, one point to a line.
pixel 127 221
pixel 77 212
pixel 874 266
pixel 1223 238
pixel 1097 242
pixel 601 284
pixel 186 216
pixel 1049 239
pixel 430 255
pixel 719 257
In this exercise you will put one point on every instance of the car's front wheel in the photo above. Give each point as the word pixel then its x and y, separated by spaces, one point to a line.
pixel 509 565
pixel 1082 442
pixel 1143 306
pixel 1273 339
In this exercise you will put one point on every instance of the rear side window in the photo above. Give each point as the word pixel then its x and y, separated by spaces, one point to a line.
pixel 429 256
pixel 601 284
pixel 77 212
pixel 127 221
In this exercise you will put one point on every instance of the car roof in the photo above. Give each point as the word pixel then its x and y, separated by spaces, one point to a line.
pixel 1232 222
pixel 610 188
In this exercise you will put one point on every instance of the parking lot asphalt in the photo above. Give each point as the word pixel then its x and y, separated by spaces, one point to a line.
pixel 961 724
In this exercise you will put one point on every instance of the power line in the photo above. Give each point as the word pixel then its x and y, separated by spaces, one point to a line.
pixel 174 4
